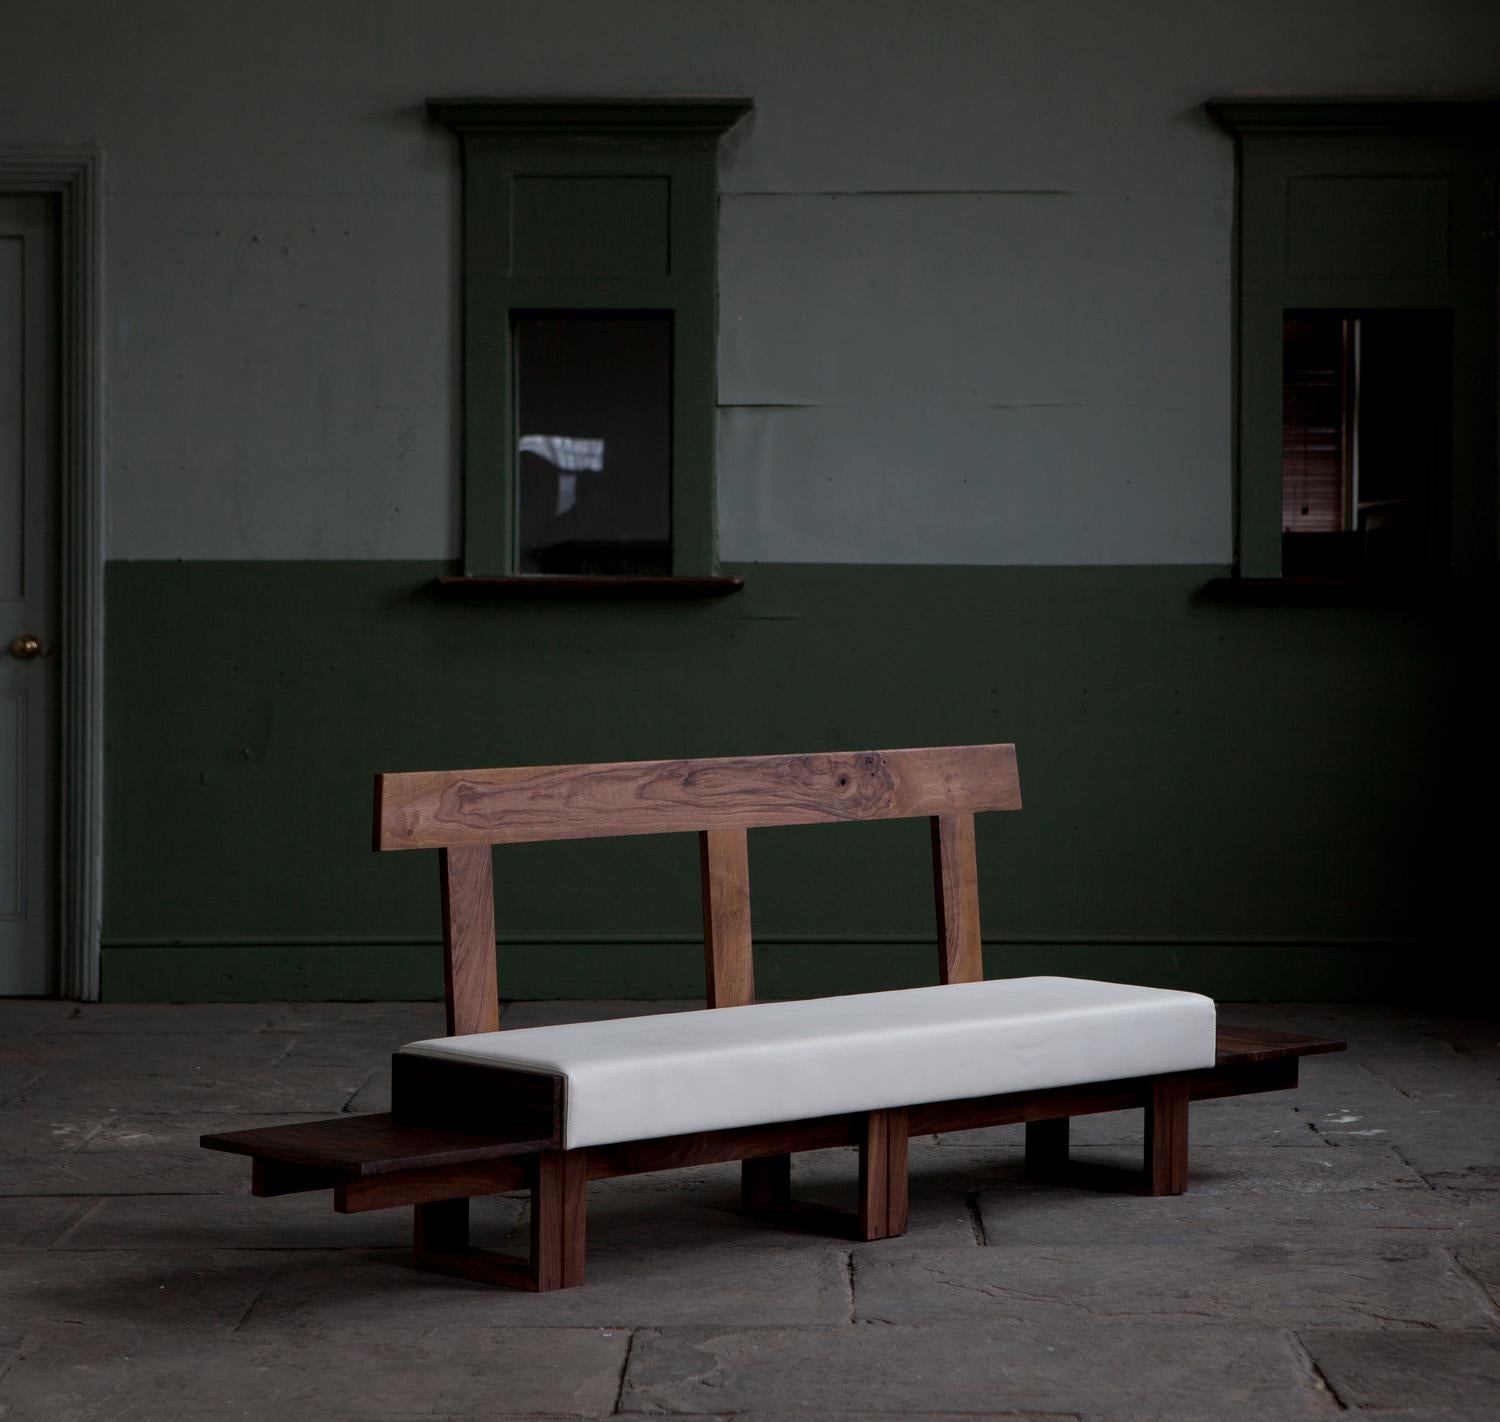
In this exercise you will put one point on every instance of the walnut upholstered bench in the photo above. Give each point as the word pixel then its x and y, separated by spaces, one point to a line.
pixel 546 1109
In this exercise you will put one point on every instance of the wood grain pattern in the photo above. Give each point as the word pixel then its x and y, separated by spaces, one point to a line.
pixel 374 1144
pixel 1235 1078
pixel 434 809
pixel 356 1194
pixel 728 956
pixel 883 1174
pixel 1256 1044
pixel 955 877
pixel 558 1219
pixel 1167 1136
pixel 470 988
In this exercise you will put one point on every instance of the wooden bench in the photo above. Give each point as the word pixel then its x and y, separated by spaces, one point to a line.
pixel 484 1112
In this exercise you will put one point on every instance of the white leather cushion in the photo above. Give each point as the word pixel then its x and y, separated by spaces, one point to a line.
pixel 633 1078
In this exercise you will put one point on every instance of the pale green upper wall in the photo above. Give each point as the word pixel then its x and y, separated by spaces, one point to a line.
pixel 975 258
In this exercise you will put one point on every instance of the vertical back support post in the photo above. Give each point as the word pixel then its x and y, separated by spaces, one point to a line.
pixel 470 988
pixel 729 979
pixel 955 876
pixel 728 960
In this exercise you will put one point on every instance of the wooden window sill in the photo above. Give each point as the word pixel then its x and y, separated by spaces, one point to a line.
pixel 546 585
pixel 1324 592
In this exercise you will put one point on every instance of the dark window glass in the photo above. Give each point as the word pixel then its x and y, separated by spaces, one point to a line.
pixel 1366 410
pixel 594 455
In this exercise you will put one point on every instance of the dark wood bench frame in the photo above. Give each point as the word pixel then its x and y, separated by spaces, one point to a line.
pixel 457 1131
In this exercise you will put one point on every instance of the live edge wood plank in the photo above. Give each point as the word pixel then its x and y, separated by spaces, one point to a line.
pixel 448 808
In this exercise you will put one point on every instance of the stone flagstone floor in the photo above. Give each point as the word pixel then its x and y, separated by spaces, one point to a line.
pixel 1338 1252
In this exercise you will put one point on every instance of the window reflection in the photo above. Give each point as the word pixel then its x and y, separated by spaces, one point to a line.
pixel 594 459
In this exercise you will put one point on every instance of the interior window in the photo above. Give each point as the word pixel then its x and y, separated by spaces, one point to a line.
pixel 594 448
pixel 1366 407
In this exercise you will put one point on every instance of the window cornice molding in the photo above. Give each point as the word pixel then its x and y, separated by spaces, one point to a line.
pixel 687 116
pixel 1389 114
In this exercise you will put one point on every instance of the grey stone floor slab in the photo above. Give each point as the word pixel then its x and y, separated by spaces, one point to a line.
pixel 157 1019
pixel 1216 1170
pixel 462 1371
pixel 30 1222
pixel 352 1018
pixel 1128 1371
pixel 247 1071
pixel 755 1285
pixel 183 1171
pixel 1482 1260
pixel 203 1292
pixel 15 1077
pixel 1050 1215
pixel 1451 1374
pixel 25 1017
pixel 210 1222
pixel 1287 1285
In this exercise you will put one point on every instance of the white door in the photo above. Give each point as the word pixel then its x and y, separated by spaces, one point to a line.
pixel 28 595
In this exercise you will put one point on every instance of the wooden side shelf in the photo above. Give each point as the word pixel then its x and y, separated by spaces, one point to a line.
pixel 361 1147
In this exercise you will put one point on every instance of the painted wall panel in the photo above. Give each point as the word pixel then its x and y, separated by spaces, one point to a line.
pixel 954 407
pixel 1048 484
pixel 1217 778
pixel 284 377
pixel 304 406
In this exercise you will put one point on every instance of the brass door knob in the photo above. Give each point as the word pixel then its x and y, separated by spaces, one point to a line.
pixel 27 647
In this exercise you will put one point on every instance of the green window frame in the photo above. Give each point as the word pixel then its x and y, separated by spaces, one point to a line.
pixel 574 206
pixel 1361 206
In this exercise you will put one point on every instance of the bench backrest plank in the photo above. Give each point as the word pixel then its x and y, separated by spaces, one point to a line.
pixel 462 813
pixel 446 808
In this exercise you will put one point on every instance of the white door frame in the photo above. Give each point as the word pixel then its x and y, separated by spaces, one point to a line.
pixel 75 177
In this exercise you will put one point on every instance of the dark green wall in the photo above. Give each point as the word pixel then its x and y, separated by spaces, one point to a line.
pixel 1256 802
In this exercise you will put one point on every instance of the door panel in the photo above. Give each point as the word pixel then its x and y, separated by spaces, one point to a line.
pixel 28 594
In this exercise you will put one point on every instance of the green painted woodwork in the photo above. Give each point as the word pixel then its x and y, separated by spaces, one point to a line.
pixel 1362 205
pixel 1269 801
pixel 588 206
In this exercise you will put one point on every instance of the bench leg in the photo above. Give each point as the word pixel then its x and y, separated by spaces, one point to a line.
pixel 883 1175
pixel 559 1219
pixel 1167 1137
pixel 440 1236
pixel 1047 1150
pixel 765 1183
